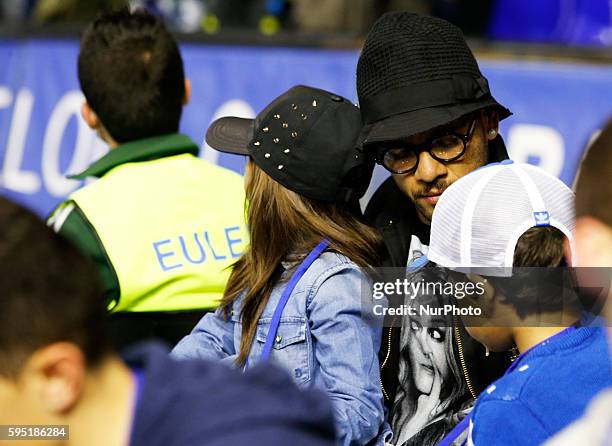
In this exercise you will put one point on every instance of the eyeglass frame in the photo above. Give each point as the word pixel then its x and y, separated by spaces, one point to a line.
pixel 465 139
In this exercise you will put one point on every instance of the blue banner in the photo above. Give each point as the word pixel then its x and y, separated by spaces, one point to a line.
pixel 557 107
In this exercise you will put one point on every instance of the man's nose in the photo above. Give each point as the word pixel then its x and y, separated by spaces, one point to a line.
pixel 429 169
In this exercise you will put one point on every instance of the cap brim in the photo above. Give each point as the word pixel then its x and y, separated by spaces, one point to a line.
pixel 408 124
pixel 230 135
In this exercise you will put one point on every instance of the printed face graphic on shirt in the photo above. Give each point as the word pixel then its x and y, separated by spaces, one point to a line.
pixel 426 353
pixel 425 378
pixel 431 390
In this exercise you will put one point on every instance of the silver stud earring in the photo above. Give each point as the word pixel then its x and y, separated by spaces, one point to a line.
pixel 492 133
pixel 514 354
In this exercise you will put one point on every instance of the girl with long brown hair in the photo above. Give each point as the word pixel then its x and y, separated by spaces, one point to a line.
pixel 294 297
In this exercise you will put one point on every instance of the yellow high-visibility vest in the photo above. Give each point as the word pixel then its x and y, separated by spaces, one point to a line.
pixel 171 228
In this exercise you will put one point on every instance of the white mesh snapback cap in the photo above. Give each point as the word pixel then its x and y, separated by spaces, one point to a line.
pixel 480 217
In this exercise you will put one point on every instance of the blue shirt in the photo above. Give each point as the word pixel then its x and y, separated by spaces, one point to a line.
pixel 548 389
pixel 323 341
pixel 200 403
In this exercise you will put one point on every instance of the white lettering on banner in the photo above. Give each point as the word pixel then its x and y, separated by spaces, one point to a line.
pixel 235 107
pixel 6 97
pixel 542 142
pixel 55 181
pixel 13 177
pixel 592 139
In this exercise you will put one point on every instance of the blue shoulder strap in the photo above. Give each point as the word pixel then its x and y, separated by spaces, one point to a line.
pixel 295 278
pixel 456 432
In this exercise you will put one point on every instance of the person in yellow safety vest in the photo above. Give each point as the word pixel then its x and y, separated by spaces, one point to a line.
pixel 162 224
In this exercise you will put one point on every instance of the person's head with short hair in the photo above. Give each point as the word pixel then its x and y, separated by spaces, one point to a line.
pixel 593 233
pixel 56 370
pixel 429 116
pixel 594 203
pixel 508 229
pixel 52 323
pixel 540 292
pixel 131 73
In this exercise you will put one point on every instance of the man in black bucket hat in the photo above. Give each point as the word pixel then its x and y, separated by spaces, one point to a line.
pixel 429 119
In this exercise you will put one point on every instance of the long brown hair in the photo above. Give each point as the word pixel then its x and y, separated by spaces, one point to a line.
pixel 282 223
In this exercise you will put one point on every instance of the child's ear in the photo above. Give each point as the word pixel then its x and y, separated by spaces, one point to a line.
pixel 57 373
pixel 89 116
pixel 484 294
pixel 187 96
pixel 487 290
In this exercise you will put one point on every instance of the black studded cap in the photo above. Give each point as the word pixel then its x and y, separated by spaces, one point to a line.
pixel 306 139
pixel 416 73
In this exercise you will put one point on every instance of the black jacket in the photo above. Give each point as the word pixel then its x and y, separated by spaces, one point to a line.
pixel 394 215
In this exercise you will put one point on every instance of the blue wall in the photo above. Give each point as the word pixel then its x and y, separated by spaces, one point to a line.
pixel 557 107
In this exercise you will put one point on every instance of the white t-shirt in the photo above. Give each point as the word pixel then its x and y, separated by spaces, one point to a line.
pixel 417 249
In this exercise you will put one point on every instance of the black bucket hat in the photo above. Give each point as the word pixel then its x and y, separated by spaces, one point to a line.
pixel 306 139
pixel 416 73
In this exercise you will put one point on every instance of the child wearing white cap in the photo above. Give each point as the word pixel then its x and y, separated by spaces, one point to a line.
pixel 496 224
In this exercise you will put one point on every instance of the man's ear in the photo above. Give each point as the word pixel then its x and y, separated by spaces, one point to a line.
pixel 491 124
pixel 58 374
pixel 187 96
pixel 90 117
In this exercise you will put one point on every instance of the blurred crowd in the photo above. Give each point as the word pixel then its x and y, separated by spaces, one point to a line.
pixel 211 15
pixel 577 22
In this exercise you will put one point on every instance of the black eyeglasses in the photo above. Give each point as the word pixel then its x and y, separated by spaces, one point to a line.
pixel 446 148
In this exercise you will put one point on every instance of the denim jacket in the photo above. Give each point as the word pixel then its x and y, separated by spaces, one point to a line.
pixel 322 341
